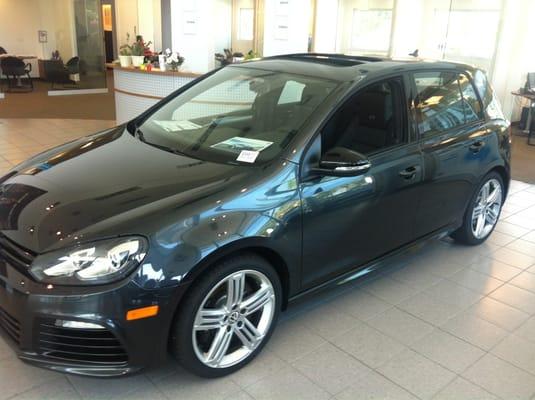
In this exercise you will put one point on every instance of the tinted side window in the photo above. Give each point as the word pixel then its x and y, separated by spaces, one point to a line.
pixel 490 103
pixel 370 121
pixel 439 105
pixel 472 106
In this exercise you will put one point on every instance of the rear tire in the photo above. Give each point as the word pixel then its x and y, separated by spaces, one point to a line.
pixel 483 211
pixel 227 316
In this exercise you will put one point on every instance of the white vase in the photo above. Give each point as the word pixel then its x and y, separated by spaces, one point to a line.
pixel 137 60
pixel 161 61
pixel 126 61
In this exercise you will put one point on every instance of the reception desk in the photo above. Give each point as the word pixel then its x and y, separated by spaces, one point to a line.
pixel 136 90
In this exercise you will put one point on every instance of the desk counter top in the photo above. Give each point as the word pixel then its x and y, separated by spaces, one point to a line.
pixel 154 71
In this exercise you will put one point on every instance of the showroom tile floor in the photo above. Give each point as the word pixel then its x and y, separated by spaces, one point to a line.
pixel 445 322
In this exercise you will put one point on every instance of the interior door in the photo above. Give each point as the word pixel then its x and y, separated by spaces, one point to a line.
pixel 243 20
pixel 349 221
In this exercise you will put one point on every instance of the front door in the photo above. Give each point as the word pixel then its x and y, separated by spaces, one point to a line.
pixel 349 221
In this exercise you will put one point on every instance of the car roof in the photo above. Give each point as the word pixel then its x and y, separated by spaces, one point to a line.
pixel 342 67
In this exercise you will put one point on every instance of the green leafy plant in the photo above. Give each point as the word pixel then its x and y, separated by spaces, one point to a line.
pixel 251 55
pixel 126 49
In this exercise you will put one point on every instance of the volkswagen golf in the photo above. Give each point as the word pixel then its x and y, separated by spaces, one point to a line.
pixel 190 228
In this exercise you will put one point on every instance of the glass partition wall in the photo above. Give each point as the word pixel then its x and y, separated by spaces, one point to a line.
pixel 90 43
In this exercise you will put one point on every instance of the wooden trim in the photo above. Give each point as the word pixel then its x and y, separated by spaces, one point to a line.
pixel 145 96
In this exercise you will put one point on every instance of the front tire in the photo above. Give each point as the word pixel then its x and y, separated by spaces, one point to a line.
pixel 227 316
pixel 483 211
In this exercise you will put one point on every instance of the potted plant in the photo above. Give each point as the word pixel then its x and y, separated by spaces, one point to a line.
pixel 173 60
pixel 139 50
pixel 125 53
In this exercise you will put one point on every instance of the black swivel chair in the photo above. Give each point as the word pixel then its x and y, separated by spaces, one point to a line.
pixel 59 74
pixel 14 69
pixel 73 66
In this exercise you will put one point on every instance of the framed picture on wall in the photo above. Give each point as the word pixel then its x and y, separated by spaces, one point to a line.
pixel 43 36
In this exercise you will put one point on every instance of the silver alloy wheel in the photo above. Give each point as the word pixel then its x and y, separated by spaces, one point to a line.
pixel 487 208
pixel 237 315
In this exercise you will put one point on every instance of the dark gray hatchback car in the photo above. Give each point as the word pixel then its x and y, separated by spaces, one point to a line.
pixel 191 227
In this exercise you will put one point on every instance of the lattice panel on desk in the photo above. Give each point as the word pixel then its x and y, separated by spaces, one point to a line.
pixel 148 84
pixel 127 107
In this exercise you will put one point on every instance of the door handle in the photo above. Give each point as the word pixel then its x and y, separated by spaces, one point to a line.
pixel 477 146
pixel 409 172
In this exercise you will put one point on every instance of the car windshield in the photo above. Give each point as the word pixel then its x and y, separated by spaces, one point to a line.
pixel 237 115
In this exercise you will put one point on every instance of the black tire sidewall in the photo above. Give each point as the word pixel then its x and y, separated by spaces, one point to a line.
pixel 182 343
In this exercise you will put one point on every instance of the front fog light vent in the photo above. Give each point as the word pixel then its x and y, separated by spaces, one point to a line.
pixel 76 325
pixel 80 343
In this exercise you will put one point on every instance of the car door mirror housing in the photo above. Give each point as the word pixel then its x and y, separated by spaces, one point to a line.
pixel 341 161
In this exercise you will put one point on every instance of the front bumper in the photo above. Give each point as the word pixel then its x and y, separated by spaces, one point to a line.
pixel 29 311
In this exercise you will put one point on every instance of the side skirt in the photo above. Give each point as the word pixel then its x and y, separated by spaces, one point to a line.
pixel 362 270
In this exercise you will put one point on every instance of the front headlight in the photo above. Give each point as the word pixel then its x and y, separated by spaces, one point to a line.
pixel 94 263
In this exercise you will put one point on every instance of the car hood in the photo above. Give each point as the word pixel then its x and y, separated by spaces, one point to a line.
pixel 50 200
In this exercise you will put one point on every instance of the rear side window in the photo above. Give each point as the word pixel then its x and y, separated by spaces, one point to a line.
pixel 491 105
pixel 439 103
pixel 471 104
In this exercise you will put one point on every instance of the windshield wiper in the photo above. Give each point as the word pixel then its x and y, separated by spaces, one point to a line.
pixel 141 137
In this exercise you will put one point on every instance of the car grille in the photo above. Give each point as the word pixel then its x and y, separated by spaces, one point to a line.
pixel 81 346
pixel 10 325
pixel 15 255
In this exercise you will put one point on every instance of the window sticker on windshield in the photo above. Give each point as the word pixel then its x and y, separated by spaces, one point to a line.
pixel 241 143
pixel 248 156
pixel 174 126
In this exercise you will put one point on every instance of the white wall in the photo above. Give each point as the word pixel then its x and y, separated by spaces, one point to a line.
pixel 126 16
pixel 200 40
pixel 141 17
pixel 223 26
pixel 326 28
pixel 515 53
pixel 298 28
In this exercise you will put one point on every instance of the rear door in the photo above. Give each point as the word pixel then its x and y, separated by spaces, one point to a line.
pixel 453 141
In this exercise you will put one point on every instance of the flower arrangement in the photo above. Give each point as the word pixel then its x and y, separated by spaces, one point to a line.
pixel 140 48
pixel 56 55
pixel 173 59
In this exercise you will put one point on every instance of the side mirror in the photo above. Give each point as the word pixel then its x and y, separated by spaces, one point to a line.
pixel 340 161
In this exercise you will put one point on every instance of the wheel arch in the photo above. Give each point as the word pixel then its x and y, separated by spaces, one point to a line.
pixel 506 178
pixel 256 246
